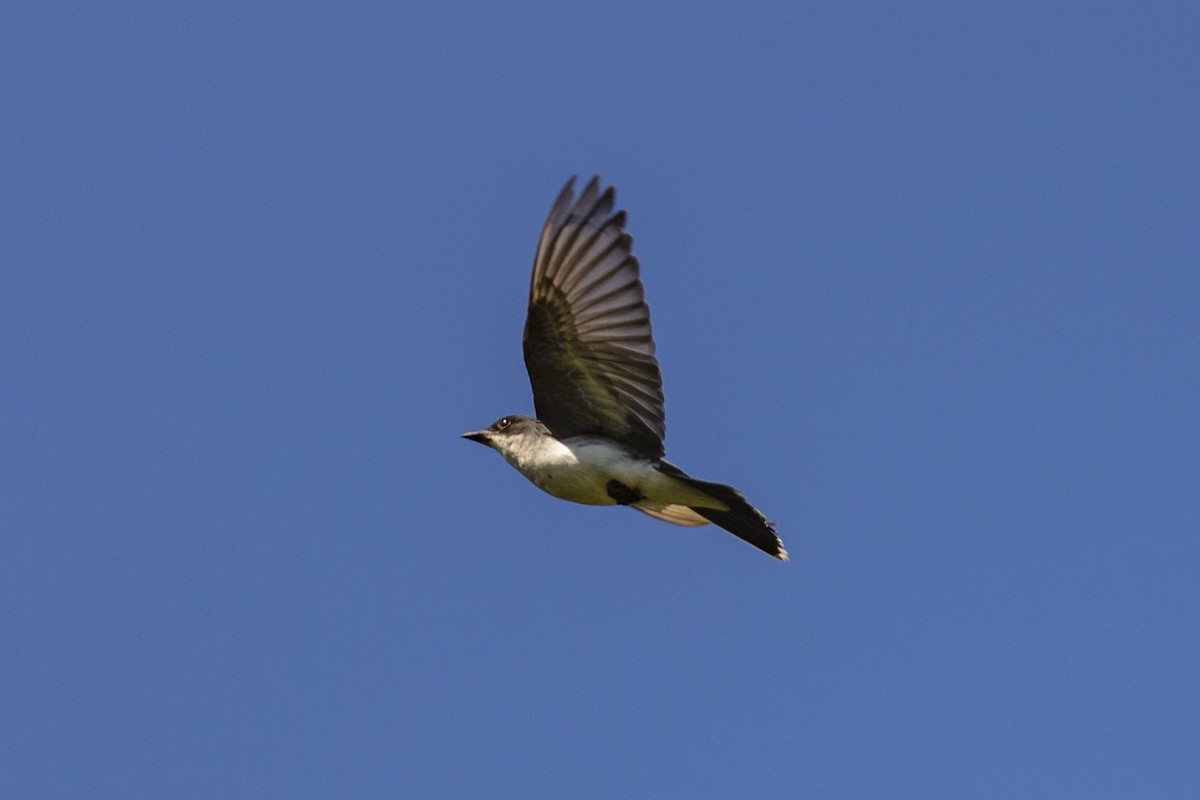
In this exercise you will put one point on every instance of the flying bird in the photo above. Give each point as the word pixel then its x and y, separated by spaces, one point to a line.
pixel 597 391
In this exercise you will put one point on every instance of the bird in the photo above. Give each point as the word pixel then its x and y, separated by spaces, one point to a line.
pixel 598 435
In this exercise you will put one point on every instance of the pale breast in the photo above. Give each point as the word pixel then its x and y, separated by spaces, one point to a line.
pixel 575 483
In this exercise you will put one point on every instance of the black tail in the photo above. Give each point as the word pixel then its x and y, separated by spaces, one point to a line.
pixel 742 519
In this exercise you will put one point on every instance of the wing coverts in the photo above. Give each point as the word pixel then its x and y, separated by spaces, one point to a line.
pixel 588 345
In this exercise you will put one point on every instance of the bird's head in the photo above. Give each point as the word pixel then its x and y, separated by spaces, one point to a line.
pixel 507 433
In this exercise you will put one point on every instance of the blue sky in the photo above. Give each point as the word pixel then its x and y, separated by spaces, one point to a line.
pixel 924 282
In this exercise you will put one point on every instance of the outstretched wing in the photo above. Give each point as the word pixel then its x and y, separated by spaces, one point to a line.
pixel 587 340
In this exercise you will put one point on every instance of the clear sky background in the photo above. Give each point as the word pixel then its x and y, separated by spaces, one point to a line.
pixel 925 282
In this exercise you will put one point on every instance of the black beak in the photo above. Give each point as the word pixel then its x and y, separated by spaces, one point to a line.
pixel 477 436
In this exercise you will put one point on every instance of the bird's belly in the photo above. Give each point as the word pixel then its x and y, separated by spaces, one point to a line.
pixel 574 482
pixel 581 470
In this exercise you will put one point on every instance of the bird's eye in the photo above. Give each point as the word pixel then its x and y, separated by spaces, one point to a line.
pixel 503 423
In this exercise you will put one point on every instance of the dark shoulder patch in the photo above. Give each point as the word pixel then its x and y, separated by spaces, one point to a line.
pixel 621 493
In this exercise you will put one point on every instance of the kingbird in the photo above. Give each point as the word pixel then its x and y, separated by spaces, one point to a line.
pixel 598 436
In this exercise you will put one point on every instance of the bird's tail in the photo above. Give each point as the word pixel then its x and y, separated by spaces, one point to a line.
pixel 742 519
